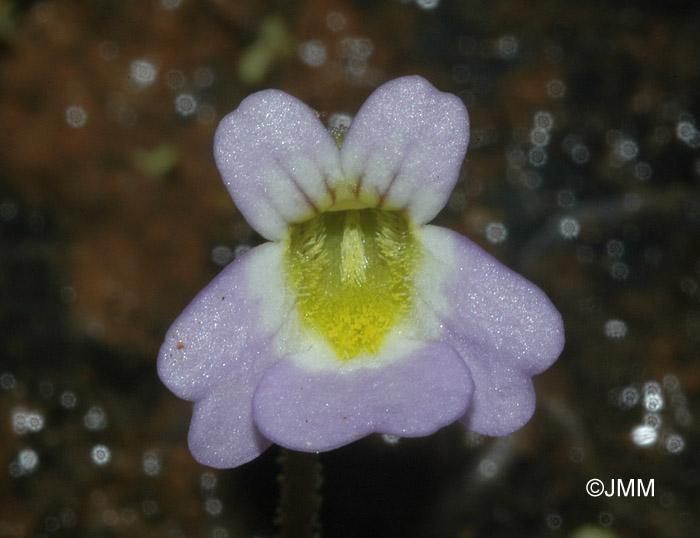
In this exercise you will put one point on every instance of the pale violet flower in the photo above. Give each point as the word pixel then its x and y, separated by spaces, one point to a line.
pixel 357 316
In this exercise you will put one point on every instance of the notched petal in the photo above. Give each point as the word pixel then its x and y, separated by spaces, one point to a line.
pixel 276 158
pixel 406 145
pixel 504 327
pixel 315 410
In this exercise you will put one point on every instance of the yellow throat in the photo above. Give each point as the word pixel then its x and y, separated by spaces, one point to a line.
pixel 352 273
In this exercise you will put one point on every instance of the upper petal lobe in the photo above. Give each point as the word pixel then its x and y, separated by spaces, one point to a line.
pixel 275 157
pixel 406 146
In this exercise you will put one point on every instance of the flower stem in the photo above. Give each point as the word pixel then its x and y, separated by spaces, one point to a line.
pixel 300 495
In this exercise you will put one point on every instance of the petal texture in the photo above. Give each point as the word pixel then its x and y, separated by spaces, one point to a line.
pixel 218 349
pixel 275 157
pixel 320 410
pixel 225 332
pixel 406 146
pixel 222 433
pixel 505 328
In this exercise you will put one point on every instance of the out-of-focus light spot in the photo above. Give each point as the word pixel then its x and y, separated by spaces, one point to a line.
pixel 605 519
pixel 356 47
pixel 221 255
pixel 662 135
pixel 619 271
pixel 629 397
pixel 652 387
pixel 46 388
pixel 28 460
pixel 632 201
pixel 335 21
pixel 203 77
pixel 585 254
pixel 544 120
pixel 76 116
pixel 185 104
pixel 532 179
pixel 390 439
pixel 95 419
pixel 7 381
pixel 36 223
pixel 240 250
pixel 427 4
pixel 556 88
pixel 615 248
pixel 339 120
pixel 24 421
pixel 569 227
pixel 143 72
pixel 539 137
pixel 466 45
pixel 516 157
pixel 208 480
pixel 68 399
pixel 151 463
pixel 170 4
pixel 19 421
pixel 553 521
pixel 537 157
pixel 206 114
pixel 507 47
pixel 313 53
pixel 175 79
pixel 615 328
pixel 52 524
pixel 642 171
pixel 109 50
pixel 8 210
pixel 213 506
pixel 35 422
pixel 566 198
pixel 68 294
pixel 580 154
pixel 474 439
pixel 644 435
pixel 653 401
pixel 577 454
pixel 674 443
pixel 457 201
pixel 100 454
pixel 627 149
pixel 488 468
pixel 652 419
pixel 687 133
pixel 496 232
pixel 688 286
pixel 149 507
pixel 683 417
pixel 671 382
pixel 219 532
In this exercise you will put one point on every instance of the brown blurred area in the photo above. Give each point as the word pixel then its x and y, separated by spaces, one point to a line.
pixel 113 216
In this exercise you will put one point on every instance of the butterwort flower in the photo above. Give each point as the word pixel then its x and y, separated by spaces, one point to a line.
pixel 357 316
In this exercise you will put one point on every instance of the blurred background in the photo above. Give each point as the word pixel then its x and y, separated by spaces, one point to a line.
pixel 583 174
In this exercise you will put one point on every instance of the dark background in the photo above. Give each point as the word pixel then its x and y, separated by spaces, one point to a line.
pixel 113 216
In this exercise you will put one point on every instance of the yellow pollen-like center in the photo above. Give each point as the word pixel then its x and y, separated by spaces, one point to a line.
pixel 352 274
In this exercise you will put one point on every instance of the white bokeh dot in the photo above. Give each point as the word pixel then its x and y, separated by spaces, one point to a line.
pixel 76 116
